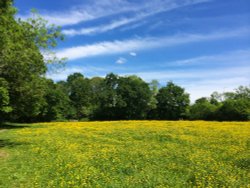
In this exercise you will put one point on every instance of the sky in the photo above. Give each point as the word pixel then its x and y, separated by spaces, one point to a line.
pixel 201 45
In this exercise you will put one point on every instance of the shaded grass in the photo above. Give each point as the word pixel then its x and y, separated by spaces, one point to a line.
pixel 12 126
pixel 126 154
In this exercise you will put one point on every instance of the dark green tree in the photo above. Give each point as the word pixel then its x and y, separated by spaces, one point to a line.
pixel 79 89
pixel 172 102
pixel 203 109
pixel 236 106
pixel 108 99
pixel 135 98
pixel 58 105
pixel 234 110
pixel 4 99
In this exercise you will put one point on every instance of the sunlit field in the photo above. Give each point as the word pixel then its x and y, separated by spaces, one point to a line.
pixel 126 154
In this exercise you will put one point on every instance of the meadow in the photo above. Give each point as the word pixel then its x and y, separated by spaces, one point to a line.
pixel 125 154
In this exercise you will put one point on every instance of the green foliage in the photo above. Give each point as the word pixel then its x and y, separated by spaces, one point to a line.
pixel 236 106
pixel 172 102
pixel 123 98
pixel 22 65
pixel 80 94
pixel 235 110
pixel 108 100
pixel 58 105
pixel 45 36
pixel 203 110
pixel 4 97
pixel 135 97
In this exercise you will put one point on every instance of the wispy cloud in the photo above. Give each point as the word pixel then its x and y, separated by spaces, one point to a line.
pixel 116 47
pixel 228 58
pixel 121 60
pixel 198 74
pixel 103 8
pixel 99 29
pixel 86 12
pixel 145 10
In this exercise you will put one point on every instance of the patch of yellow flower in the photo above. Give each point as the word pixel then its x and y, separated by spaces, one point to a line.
pixel 131 154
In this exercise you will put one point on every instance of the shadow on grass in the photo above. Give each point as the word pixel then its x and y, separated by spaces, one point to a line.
pixel 8 126
pixel 12 126
pixel 9 144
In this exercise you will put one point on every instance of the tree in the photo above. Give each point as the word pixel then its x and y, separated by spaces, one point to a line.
pixel 172 102
pixel 236 106
pixel 4 98
pixel 22 65
pixel 123 98
pixel 234 110
pixel 108 100
pixel 135 96
pixel 58 105
pixel 96 85
pixel 80 94
pixel 242 92
pixel 203 109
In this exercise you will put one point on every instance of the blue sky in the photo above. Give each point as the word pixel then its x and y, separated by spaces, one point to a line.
pixel 201 45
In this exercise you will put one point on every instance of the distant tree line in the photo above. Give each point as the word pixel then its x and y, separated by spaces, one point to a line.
pixel 123 98
pixel 26 95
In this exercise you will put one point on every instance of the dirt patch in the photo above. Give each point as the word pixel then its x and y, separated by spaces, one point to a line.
pixel 3 154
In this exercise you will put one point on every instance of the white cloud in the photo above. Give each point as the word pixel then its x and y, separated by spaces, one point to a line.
pixel 99 29
pixel 85 12
pixel 228 58
pixel 148 9
pixel 115 47
pixel 194 74
pixel 133 54
pixel 121 60
pixel 103 8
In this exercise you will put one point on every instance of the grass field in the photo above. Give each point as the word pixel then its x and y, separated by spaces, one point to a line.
pixel 126 154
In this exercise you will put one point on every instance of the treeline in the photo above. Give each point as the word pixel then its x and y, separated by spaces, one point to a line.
pixel 27 96
pixel 124 98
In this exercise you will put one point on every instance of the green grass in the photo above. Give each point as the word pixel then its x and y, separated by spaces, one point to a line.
pixel 125 154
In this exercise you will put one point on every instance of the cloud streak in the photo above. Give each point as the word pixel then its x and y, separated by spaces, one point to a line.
pixel 138 44
pixel 85 12
pixel 104 8
pixel 147 10
pixel 226 59
pixel 99 29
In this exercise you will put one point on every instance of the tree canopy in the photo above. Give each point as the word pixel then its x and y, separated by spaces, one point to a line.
pixel 172 102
